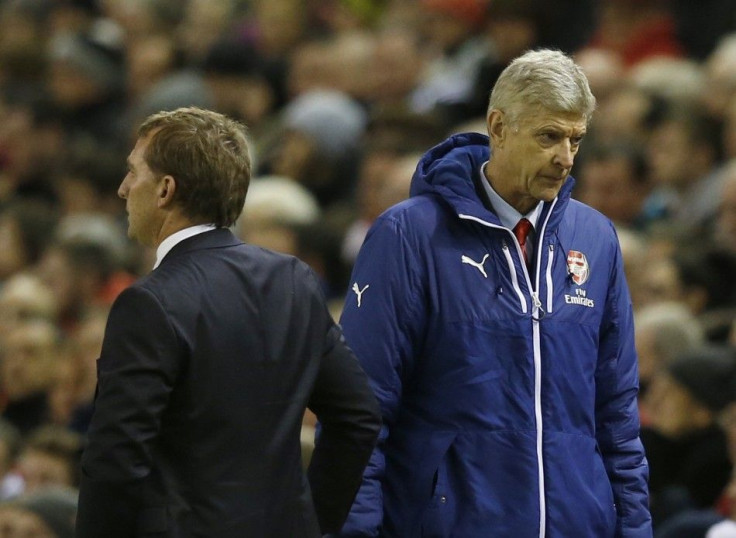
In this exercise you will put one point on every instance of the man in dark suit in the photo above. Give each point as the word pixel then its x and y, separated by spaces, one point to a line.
pixel 209 362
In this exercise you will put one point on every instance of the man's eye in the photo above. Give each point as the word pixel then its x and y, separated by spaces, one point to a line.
pixel 549 138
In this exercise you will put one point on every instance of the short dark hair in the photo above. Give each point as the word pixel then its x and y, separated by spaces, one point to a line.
pixel 207 154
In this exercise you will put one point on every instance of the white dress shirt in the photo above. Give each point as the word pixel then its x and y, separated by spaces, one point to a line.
pixel 509 216
pixel 177 237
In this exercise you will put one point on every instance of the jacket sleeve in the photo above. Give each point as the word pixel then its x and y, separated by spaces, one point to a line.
pixel 136 373
pixel 617 415
pixel 350 421
pixel 383 320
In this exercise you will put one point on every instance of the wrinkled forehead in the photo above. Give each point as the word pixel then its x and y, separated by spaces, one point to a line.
pixel 540 118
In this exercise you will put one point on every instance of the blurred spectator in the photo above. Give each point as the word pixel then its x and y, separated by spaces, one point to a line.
pixel 150 58
pixel 718 522
pixel 50 458
pixel 452 34
pixel 72 16
pixel 50 513
pixel 663 331
pixel 203 23
pixel 613 179
pixel 31 138
pixel 379 189
pixel 728 133
pixel 25 297
pixel 700 25
pixel 394 134
pixel 72 394
pixel 11 483
pixel 26 227
pixel 27 363
pixel 724 227
pixel 320 147
pixel 678 81
pixel 86 182
pixel 634 250
pixel 686 447
pixel 281 25
pixel 512 28
pixel 720 72
pixel 636 30
pixel 273 208
pixel 625 114
pixel 605 71
pixel 22 46
pixel 178 88
pixel 319 245
pixel 236 75
pixel 659 282
pixel 706 275
pixel 394 68
pixel 683 155
pixel 141 18
pixel 86 267
pixel 86 83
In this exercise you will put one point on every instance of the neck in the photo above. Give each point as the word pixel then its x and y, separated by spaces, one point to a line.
pixel 172 224
pixel 523 204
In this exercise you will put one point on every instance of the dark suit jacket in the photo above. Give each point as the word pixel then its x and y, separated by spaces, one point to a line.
pixel 207 366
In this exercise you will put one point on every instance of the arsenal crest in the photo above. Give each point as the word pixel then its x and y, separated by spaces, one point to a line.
pixel 577 266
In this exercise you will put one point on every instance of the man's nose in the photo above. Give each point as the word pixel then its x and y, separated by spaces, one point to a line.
pixel 565 155
pixel 123 190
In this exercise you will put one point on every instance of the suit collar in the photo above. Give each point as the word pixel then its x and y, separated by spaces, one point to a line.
pixel 177 237
pixel 219 237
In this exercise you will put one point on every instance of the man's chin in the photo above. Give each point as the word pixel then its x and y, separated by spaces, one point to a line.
pixel 548 194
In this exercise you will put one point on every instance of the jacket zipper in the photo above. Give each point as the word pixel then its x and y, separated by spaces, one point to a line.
pixel 537 313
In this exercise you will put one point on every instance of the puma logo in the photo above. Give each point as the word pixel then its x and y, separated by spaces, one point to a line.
pixel 477 265
pixel 359 292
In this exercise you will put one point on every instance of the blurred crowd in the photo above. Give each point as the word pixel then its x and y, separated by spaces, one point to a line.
pixel 341 97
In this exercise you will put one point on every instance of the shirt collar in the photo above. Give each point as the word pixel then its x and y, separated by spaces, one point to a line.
pixel 177 237
pixel 508 216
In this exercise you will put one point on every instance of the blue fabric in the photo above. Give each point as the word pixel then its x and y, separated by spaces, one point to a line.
pixel 449 346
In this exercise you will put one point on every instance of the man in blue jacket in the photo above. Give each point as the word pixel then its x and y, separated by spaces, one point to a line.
pixel 491 313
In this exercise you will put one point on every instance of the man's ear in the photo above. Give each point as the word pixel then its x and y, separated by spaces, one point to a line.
pixel 166 190
pixel 497 127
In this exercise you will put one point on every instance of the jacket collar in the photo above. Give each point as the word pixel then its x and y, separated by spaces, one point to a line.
pixel 219 237
pixel 451 170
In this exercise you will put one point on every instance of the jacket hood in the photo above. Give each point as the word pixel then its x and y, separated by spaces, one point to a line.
pixel 449 170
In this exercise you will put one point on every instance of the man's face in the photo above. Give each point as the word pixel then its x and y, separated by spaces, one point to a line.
pixel 610 185
pixel 42 470
pixel 673 410
pixel 141 189
pixel 27 366
pixel 670 154
pixel 533 155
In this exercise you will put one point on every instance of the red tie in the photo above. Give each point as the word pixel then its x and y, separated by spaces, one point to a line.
pixel 521 231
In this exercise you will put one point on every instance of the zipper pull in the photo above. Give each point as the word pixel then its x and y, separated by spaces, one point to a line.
pixel 539 312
